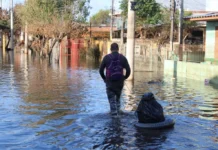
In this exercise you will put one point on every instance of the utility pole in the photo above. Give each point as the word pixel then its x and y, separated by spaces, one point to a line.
pixel 112 20
pixel 181 14
pixel 1 7
pixel 11 42
pixel 131 37
pixel 12 27
pixel 172 18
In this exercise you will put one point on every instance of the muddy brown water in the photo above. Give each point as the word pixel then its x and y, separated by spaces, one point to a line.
pixel 64 106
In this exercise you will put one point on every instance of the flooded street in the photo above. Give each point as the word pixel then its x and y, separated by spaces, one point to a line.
pixel 64 106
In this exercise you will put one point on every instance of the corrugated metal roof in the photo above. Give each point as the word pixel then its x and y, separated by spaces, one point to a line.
pixel 207 15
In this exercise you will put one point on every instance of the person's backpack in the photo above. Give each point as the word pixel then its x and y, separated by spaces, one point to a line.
pixel 149 110
pixel 115 70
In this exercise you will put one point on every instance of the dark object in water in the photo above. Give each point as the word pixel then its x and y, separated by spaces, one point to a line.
pixel 155 82
pixel 149 110
pixel 150 114
pixel 167 123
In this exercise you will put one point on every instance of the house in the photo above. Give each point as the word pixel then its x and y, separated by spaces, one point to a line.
pixel 99 36
pixel 97 32
pixel 207 70
pixel 211 43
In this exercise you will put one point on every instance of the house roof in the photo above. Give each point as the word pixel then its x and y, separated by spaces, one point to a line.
pixel 100 31
pixel 101 28
pixel 213 16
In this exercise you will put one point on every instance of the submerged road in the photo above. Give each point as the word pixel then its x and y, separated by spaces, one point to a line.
pixel 64 106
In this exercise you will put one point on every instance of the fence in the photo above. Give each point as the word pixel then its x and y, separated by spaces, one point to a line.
pixel 197 56
pixel 70 46
pixel 193 53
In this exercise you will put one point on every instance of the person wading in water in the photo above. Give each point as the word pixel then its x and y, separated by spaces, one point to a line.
pixel 114 63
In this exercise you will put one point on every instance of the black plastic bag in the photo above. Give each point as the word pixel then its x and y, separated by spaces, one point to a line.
pixel 149 110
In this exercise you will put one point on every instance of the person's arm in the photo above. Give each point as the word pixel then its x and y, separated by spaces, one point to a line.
pixel 102 67
pixel 126 66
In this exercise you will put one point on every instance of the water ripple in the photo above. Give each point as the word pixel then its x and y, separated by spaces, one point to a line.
pixel 45 106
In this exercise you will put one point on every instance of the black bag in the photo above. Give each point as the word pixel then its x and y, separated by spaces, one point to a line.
pixel 149 110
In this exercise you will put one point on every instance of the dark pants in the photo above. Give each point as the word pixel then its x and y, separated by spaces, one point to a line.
pixel 114 90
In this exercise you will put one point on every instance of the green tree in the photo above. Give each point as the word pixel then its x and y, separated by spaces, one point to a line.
pixel 53 20
pixel 4 18
pixel 147 11
pixel 102 17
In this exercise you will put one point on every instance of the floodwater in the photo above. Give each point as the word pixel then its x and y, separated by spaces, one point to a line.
pixel 64 106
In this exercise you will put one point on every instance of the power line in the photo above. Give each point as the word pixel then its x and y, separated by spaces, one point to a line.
pixel 195 4
pixel 200 3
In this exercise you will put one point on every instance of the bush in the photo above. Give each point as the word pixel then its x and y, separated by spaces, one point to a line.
pixel 82 53
pixel 94 53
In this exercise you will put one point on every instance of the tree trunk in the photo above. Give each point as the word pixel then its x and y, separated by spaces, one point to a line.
pixel 54 42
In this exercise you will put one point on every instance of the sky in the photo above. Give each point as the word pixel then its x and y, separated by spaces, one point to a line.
pixel 106 4
pixel 96 5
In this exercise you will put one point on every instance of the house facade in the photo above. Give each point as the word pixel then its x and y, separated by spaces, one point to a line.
pixel 207 70
pixel 212 40
pixel 211 44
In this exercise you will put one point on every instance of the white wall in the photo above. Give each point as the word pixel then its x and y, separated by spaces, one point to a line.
pixel 196 71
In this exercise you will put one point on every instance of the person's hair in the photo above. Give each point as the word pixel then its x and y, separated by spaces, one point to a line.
pixel 114 47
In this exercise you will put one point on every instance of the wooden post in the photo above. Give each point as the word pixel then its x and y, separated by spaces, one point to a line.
pixel 180 35
pixel 172 24
pixel 4 44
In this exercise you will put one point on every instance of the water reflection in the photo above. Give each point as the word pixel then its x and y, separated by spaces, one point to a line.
pixel 64 106
pixel 113 136
pixel 152 139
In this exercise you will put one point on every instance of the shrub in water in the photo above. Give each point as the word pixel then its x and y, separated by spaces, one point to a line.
pixel 93 53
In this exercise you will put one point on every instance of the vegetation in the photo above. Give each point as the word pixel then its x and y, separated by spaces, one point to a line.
pixel 153 20
pixel 94 53
pixel 147 11
pixel 53 20
pixel 17 19
pixel 4 18
pixel 102 17
pixel 82 53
